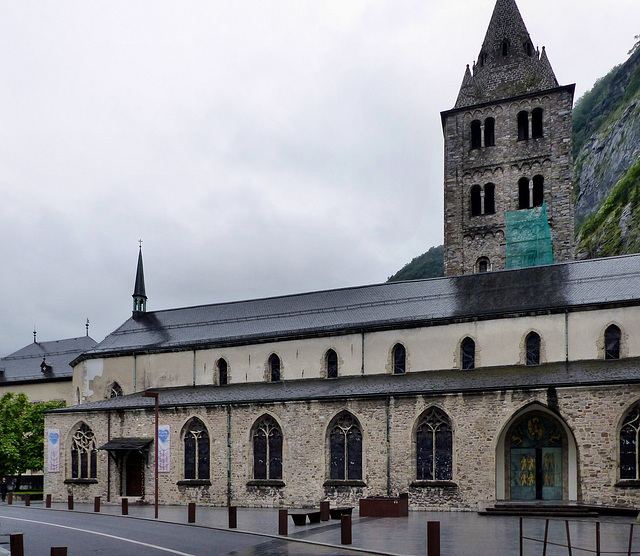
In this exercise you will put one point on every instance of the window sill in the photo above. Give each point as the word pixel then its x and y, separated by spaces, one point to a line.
pixel 194 482
pixel 628 483
pixel 434 484
pixel 266 483
pixel 81 481
pixel 344 482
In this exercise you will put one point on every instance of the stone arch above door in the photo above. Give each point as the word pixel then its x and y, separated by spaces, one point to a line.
pixel 536 457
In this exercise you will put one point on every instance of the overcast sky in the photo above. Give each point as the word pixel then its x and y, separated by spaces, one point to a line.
pixel 257 147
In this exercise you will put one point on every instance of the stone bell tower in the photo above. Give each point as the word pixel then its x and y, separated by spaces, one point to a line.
pixel 507 155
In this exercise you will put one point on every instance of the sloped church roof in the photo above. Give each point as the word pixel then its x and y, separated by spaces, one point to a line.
pixel 560 287
pixel 508 65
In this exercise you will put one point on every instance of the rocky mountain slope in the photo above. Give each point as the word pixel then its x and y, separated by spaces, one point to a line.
pixel 606 151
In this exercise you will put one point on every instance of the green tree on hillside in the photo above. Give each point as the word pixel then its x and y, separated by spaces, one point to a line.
pixel 22 434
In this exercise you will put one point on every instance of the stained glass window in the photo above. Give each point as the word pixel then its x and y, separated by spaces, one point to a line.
pixel 222 372
pixel 533 348
pixel 84 456
pixel 612 342
pixel 345 445
pixel 267 449
pixel 399 359
pixel 274 367
pixel 434 446
pixel 331 359
pixel 115 390
pixel 629 445
pixel 468 353
pixel 196 451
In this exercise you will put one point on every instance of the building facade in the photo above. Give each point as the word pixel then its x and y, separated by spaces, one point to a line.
pixel 519 384
pixel 507 148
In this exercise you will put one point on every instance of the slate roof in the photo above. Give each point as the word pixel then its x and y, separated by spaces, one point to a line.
pixel 577 373
pixel 24 364
pixel 560 287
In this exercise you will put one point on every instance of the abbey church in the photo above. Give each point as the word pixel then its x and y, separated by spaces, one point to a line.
pixel 516 377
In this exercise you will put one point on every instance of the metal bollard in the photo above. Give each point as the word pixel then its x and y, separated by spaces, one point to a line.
pixel 16 545
pixel 192 512
pixel 58 551
pixel 47 503
pixel 125 506
pixel 96 504
pixel 324 511
pixel 70 502
pixel 10 498
pixel 283 516
pixel 433 538
pixel 27 499
pixel 345 529
pixel 233 517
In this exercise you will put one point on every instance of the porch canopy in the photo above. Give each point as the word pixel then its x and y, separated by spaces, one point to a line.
pixel 126 444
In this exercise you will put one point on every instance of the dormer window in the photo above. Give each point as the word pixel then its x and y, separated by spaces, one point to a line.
pixel 505 47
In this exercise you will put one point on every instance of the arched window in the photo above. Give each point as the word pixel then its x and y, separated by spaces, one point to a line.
pixel 84 455
pixel 523 125
pixel 612 342
pixel 505 47
pixel 538 191
pixel 528 48
pixel 482 264
pixel 489 132
pixel 536 122
pixel 483 58
pixel 629 432
pixel 196 450
pixel 399 359
pixel 476 134
pixel 274 368
pixel 476 200
pixel 468 353
pixel 434 446
pixel 115 390
pixel 331 361
pixel 223 368
pixel 267 449
pixel 532 344
pixel 523 193
pixel 345 448
pixel 489 198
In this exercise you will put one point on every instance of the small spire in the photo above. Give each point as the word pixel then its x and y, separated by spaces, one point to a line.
pixel 139 293
pixel 34 334
pixel 87 327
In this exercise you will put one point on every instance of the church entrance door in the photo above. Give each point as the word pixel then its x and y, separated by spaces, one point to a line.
pixel 536 459
pixel 135 473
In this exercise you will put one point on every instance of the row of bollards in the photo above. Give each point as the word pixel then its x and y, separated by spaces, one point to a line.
pixel 433 527
pixel 16 546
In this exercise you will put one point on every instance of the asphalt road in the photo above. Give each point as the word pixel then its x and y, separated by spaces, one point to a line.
pixel 87 534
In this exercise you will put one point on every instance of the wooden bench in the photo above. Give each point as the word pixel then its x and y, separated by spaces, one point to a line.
pixel 335 513
pixel 300 516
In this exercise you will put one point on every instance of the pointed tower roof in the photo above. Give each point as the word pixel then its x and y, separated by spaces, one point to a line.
pixel 508 65
pixel 139 292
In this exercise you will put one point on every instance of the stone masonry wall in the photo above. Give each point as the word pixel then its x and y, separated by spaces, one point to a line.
pixel 479 421
pixel 469 237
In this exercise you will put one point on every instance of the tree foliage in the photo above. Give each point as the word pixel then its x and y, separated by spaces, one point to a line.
pixel 22 433
pixel 427 265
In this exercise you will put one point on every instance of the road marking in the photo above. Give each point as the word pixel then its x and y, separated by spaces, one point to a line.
pixel 162 548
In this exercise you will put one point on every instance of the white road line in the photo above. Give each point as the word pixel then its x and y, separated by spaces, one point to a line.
pixel 162 548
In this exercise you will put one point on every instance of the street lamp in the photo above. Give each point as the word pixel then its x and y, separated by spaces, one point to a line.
pixel 155 442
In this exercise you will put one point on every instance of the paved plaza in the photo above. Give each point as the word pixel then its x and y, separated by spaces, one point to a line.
pixel 462 533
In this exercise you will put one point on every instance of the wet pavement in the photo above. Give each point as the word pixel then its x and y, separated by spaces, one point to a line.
pixel 461 533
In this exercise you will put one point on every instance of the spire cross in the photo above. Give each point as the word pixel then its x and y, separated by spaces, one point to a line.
pixel 140 243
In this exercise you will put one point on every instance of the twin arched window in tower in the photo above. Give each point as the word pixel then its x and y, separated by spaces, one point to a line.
pixel 530 192
pixel 489 133
pixel 536 124
pixel 483 199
